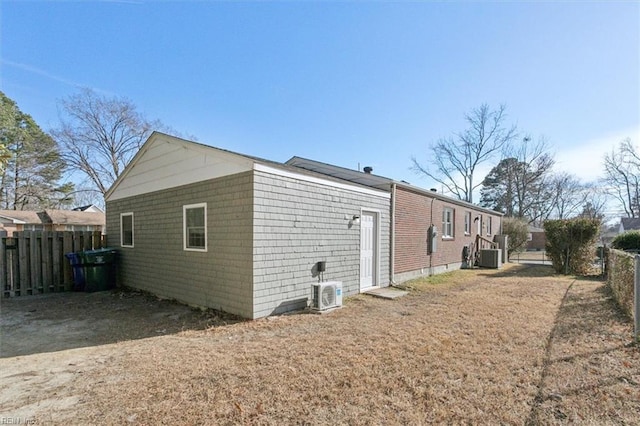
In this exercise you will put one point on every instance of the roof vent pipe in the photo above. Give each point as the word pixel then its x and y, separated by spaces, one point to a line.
pixel 368 169
pixel 433 190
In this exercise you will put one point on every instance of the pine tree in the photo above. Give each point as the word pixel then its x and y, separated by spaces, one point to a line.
pixel 33 167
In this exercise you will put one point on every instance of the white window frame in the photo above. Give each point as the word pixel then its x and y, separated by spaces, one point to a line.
pixel 185 234
pixel 122 244
pixel 448 223
pixel 467 223
pixel 490 226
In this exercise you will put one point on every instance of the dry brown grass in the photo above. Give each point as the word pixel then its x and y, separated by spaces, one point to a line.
pixel 515 346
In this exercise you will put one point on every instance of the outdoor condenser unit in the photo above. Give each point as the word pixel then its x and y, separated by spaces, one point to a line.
pixel 490 258
pixel 326 295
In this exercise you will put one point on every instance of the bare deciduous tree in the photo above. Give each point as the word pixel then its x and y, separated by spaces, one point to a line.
pixel 569 196
pixel 98 135
pixel 520 185
pixel 595 202
pixel 622 176
pixel 456 159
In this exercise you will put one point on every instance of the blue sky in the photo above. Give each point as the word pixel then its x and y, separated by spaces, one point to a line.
pixel 348 83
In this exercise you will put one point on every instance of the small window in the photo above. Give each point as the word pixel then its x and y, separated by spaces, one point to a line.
pixel 467 223
pixel 195 227
pixel 447 223
pixel 126 229
pixel 79 228
pixel 489 226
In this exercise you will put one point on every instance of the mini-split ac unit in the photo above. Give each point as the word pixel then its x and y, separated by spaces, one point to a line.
pixel 326 295
pixel 490 258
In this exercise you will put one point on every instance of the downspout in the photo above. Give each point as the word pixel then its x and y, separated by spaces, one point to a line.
pixel 392 255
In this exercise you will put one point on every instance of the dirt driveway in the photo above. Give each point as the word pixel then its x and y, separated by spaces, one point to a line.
pixel 515 346
pixel 59 321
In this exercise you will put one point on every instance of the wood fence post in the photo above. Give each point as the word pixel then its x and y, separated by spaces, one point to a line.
pixel 23 262
pixel 46 267
pixel 56 260
pixel 67 272
pixel 36 262
pixel 3 266
pixel 87 240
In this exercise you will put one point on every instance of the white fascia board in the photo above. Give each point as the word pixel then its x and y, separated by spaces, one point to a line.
pixel 13 220
pixel 312 179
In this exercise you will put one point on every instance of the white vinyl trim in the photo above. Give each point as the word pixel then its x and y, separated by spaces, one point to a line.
pixel 313 179
pixel 122 244
pixel 185 232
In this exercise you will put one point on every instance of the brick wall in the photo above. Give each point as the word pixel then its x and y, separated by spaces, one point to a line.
pixel 220 278
pixel 414 213
pixel 538 241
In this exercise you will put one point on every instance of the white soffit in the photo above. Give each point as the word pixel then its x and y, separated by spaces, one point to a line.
pixel 169 162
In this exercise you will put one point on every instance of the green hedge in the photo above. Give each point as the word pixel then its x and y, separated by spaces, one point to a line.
pixel 628 241
pixel 518 232
pixel 571 244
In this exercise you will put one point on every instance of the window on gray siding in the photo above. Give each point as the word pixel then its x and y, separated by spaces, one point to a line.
pixel 447 223
pixel 126 229
pixel 195 227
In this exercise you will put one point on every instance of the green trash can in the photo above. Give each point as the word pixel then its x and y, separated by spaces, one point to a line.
pixel 99 269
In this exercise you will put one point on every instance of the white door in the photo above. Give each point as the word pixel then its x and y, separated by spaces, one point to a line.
pixel 368 250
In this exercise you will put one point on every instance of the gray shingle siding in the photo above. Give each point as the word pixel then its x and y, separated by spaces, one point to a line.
pixel 298 223
pixel 219 278
pixel 265 234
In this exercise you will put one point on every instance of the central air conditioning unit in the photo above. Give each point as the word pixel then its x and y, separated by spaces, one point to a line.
pixel 326 295
pixel 490 258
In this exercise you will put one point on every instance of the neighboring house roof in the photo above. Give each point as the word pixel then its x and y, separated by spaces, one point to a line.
pixel 20 216
pixel 88 208
pixel 629 223
pixel 535 229
pixel 56 217
pixel 70 217
pixel 375 181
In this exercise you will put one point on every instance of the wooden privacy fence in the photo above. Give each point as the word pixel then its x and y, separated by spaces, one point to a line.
pixel 34 262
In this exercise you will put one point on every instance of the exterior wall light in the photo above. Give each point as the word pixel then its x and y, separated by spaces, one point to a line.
pixel 356 219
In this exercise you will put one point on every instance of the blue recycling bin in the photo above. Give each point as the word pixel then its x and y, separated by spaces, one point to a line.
pixel 78 271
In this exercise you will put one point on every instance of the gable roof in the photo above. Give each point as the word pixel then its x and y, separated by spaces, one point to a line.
pixel 56 217
pixel 20 216
pixel 630 223
pixel 375 181
pixel 88 208
pixel 166 161
pixel 70 217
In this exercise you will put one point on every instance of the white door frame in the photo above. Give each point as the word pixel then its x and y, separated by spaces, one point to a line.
pixel 375 279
